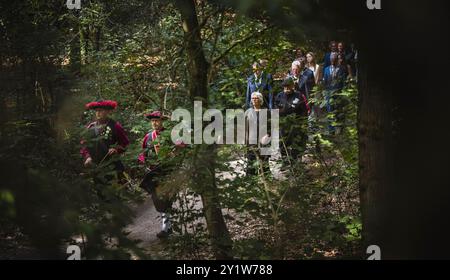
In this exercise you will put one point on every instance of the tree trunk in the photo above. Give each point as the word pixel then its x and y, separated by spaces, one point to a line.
pixel 403 128
pixel 75 49
pixel 205 174
pixel 97 39
pixel 84 43
pixel 197 64
pixel 374 126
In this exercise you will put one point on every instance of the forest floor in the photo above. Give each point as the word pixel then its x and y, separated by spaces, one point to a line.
pixel 147 224
pixel 15 246
pixel 147 221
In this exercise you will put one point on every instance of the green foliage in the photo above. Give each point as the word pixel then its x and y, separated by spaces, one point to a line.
pixel 133 52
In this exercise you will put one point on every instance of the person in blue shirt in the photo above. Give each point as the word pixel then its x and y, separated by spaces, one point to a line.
pixel 259 81
pixel 333 49
pixel 333 82
pixel 334 75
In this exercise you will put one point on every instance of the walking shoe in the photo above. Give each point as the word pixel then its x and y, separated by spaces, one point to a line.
pixel 164 233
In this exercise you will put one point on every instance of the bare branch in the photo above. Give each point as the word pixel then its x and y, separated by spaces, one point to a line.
pixel 235 44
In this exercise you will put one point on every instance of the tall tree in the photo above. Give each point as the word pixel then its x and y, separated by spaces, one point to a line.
pixel 205 167
pixel 401 156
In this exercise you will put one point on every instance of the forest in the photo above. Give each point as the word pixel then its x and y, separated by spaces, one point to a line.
pixel 370 171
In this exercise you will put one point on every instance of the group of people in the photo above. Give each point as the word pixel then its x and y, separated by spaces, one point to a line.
pixel 293 102
pixel 105 139
pixel 339 64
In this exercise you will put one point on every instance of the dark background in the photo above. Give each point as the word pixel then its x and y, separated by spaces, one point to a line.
pixel 404 52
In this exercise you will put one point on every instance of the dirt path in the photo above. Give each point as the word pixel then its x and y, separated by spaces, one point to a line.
pixel 147 222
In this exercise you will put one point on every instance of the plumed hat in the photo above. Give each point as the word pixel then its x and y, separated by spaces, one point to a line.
pixel 156 115
pixel 105 104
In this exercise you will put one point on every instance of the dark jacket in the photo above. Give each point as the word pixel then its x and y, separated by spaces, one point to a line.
pixel 306 82
pixel 336 82
pixel 262 85
pixel 294 103
pixel 100 138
